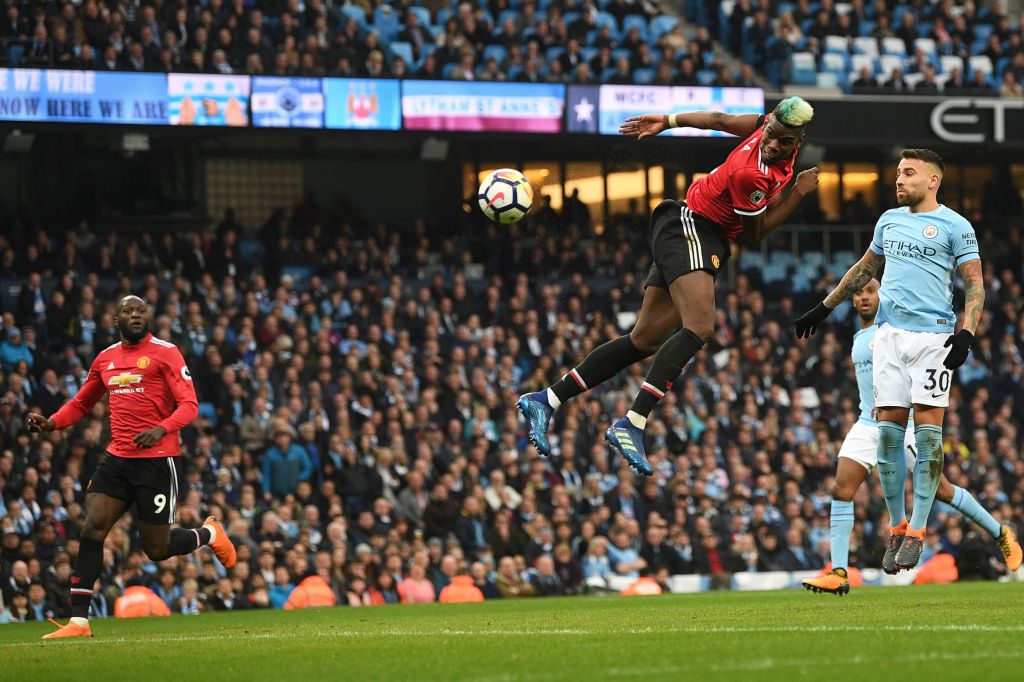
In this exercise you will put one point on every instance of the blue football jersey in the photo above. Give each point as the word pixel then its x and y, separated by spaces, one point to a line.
pixel 863 363
pixel 922 252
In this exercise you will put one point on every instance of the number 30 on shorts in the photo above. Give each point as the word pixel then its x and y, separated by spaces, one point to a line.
pixel 940 378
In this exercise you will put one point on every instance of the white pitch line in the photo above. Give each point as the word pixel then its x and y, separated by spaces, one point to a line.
pixel 496 632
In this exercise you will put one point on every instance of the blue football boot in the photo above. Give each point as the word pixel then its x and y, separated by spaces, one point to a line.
pixel 537 414
pixel 628 441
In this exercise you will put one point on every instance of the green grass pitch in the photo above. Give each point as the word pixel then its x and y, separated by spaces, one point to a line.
pixel 955 632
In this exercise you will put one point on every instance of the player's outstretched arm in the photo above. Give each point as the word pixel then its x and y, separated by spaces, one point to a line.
pixel 853 281
pixel 959 344
pixel 650 125
pixel 92 390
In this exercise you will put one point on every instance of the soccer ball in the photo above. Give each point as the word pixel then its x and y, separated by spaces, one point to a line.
pixel 505 196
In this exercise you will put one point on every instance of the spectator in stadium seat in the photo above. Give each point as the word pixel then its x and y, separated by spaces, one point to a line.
pixel 584 75
pixel 39 607
pixel 663 74
pixel 747 77
pixel 896 83
pixel 510 582
pixel 865 82
pixel 883 28
pixel 907 30
pixel 928 86
pixel 687 75
pixel 419 36
pixel 545 579
pixel 284 465
pixel 955 84
pixel 13 350
pixel 623 558
pixel 415 588
pixel 487 588
pixel 1010 88
pixel 821 27
pixel 796 556
pixel 17 610
pixel 461 590
pixel 979 85
pixel 1016 66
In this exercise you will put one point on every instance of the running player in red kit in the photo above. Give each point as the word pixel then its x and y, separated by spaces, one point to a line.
pixel 690 243
pixel 151 398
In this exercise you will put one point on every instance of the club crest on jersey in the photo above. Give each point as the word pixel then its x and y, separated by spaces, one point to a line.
pixel 757 196
pixel 930 232
pixel 715 261
pixel 142 363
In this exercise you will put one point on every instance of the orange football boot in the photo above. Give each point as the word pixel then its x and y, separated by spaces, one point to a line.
pixel 221 544
pixel 69 630
pixel 1010 547
pixel 834 582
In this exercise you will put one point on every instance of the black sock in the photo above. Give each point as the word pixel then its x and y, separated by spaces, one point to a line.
pixel 668 364
pixel 186 540
pixel 602 364
pixel 88 566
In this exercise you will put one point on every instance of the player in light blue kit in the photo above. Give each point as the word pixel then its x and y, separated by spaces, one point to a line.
pixel 923 244
pixel 859 454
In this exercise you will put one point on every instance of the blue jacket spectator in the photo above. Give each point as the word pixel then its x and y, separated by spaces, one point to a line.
pixel 13 350
pixel 284 465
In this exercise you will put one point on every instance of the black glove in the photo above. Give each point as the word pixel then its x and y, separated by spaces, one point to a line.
pixel 959 346
pixel 807 323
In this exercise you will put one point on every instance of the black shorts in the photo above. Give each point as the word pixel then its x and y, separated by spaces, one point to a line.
pixel 683 241
pixel 150 482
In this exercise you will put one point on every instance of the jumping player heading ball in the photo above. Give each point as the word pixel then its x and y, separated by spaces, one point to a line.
pixel 749 193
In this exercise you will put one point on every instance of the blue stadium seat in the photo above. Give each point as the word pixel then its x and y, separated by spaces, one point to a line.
pixel 924 29
pixel 860 61
pixel 894 46
pixel 513 72
pixel 983 32
pixel 834 63
pixel 837 45
pixel 866 27
pixel 830 79
pixel 950 62
pixel 506 15
pixel 208 412
pixel 706 77
pixel 865 46
pixel 927 45
pixel 588 53
pixel 448 70
pixel 570 18
pixel 497 52
pixel 979 62
pixel 15 51
pixel 355 12
pixel 423 14
pixel 606 19
pixel 802 69
pixel 403 50
pixel 554 52
pixel 888 62
pixel 386 21
pixel 632 21
pixel 643 76
pixel 661 25
pixel 621 52
pixel 606 74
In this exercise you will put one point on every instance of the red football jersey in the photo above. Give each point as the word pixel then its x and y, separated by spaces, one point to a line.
pixel 743 185
pixel 149 386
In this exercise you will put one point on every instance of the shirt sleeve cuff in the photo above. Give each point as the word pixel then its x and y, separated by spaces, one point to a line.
pixel 967 258
pixel 757 212
pixel 877 249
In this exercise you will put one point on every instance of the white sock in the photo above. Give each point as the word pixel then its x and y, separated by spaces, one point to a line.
pixel 213 532
pixel 553 400
pixel 637 420
pixel 80 622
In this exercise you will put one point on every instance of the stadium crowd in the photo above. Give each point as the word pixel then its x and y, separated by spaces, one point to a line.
pixel 357 414
pixel 882 46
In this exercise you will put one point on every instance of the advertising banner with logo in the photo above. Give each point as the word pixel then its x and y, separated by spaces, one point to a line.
pixel 362 104
pixel 207 100
pixel 83 96
pixel 287 102
pixel 606 109
pixel 498 107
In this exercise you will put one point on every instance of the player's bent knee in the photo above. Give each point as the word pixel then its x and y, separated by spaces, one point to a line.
pixel 643 343
pixel 703 331
pixel 842 492
pixel 156 552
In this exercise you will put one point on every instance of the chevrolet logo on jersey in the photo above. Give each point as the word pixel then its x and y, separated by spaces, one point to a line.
pixel 125 379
